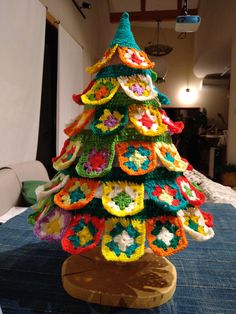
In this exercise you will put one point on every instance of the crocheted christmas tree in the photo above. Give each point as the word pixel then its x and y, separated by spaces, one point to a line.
pixel 120 178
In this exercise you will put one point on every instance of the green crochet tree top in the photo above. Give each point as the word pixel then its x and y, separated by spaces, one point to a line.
pixel 124 36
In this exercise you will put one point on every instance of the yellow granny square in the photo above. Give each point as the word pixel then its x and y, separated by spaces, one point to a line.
pixel 123 240
pixel 123 198
pixel 170 157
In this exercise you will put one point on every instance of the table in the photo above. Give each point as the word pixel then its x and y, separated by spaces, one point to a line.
pixel 30 280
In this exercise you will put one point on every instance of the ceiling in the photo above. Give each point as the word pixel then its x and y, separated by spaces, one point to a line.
pixel 146 13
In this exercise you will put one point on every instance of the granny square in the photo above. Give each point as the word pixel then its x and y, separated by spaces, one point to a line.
pixel 76 194
pixel 146 120
pixel 123 239
pixel 166 194
pixel 123 198
pixel 83 234
pixel 109 121
pixel 166 235
pixel 195 224
pixel 136 158
pixel 52 226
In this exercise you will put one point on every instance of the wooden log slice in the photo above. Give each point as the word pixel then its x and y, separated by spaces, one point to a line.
pixel 146 283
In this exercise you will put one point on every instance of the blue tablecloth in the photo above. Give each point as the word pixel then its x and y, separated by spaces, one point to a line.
pixel 30 279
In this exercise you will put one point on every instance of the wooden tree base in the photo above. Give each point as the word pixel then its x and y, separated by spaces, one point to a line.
pixel 146 283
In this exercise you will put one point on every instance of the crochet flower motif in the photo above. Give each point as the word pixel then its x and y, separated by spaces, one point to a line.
pixel 185 186
pixel 101 92
pixel 137 89
pixel 122 198
pixel 97 160
pixel 80 122
pixel 68 154
pixel 52 226
pixel 166 194
pixel 170 157
pixel 76 193
pixel 146 120
pixel 52 186
pixel 138 86
pixel 173 127
pixel 195 224
pixel 83 234
pixel 166 235
pixel 193 196
pixel 134 58
pixel 138 158
pixel 109 121
pixel 123 240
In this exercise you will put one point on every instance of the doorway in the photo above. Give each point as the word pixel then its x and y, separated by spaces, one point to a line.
pixel 47 128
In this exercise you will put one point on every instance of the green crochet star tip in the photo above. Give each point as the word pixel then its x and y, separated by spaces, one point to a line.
pixel 124 36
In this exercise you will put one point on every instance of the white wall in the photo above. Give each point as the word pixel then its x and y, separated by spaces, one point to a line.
pixel 215 49
pixel 21 64
pixel 85 31
pixel 214 37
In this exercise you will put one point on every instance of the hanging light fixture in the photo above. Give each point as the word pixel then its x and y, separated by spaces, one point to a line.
pixel 188 95
pixel 158 49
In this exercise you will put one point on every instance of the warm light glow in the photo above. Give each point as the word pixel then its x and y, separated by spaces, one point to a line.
pixel 200 85
pixel 188 95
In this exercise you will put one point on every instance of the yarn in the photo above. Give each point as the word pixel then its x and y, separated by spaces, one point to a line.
pixel 166 235
pixel 120 177
pixel 123 239
pixel 101 92
pixel 109 121
pixel 146 120
pixel 194 224
pixel 135 58
pixel 76 193
pixel 124 36
pixel 83 234
pixel 79 123
pixel 96 159
pixel 108 54
pixel 121 198
pixel 136 158
pixel 138 87
pixel 117 70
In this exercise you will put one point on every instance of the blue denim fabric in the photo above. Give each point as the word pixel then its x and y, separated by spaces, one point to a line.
pixel 30 279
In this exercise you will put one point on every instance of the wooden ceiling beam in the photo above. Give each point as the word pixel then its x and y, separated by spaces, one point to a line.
pixel 149 16
pixel 179 4
pixel 143 5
